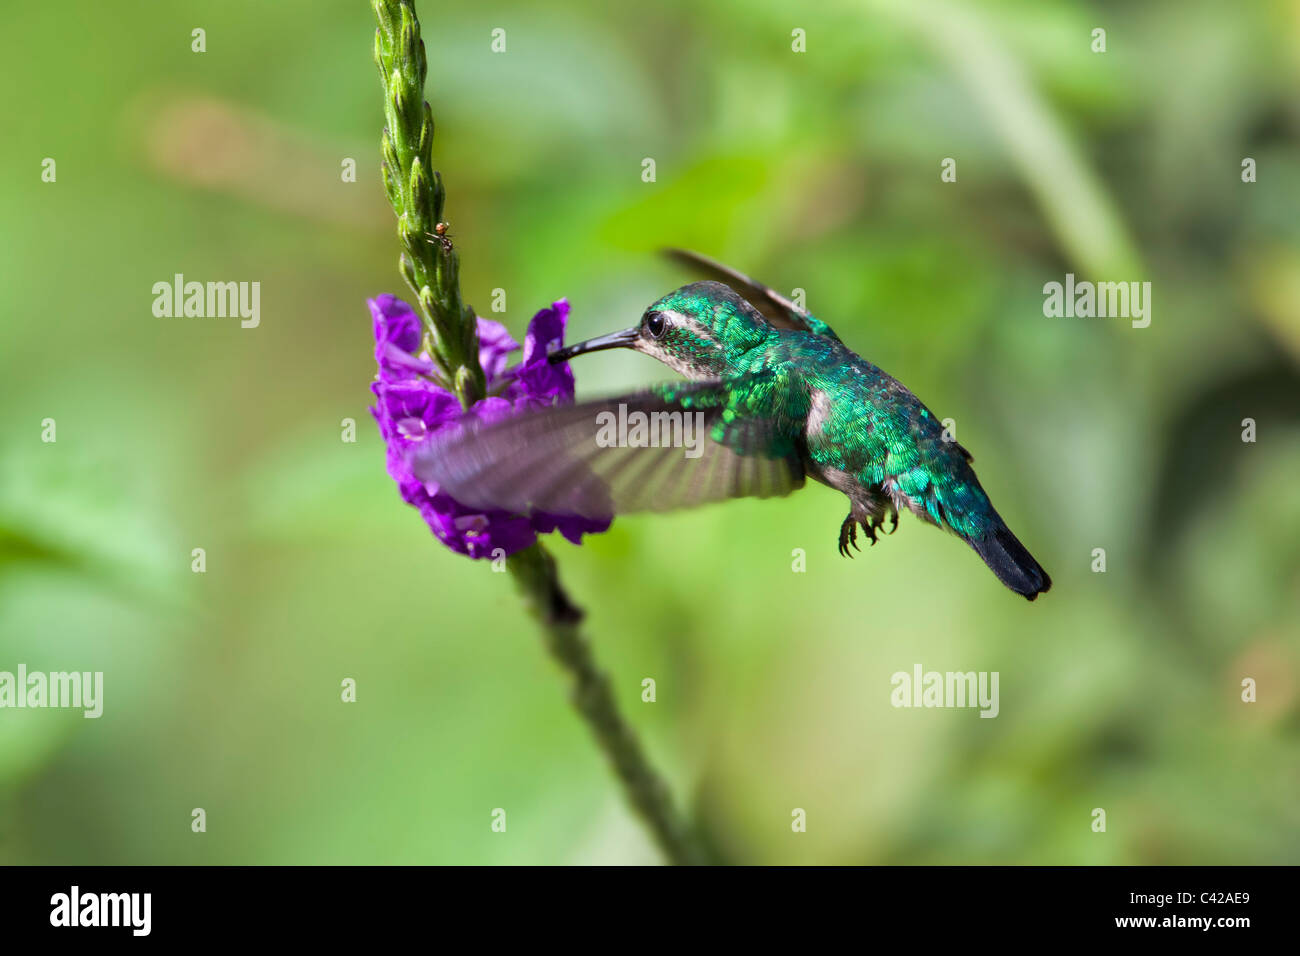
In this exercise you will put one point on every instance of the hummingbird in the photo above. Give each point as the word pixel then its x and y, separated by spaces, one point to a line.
pixel 780 398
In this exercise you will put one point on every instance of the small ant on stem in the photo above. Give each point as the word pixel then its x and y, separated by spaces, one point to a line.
pixel 440 234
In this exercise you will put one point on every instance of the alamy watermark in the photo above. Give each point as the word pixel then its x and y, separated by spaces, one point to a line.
pixel 1117 300
pixel 638 429
pixel 71 689
pixel 75 908
pixel 210 300
pixel 950 689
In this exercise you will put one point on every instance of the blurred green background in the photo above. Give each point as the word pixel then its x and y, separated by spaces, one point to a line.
pixel 816 170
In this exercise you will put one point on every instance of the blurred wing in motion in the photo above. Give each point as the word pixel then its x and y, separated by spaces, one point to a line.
pixel 674 446
pixel 776 308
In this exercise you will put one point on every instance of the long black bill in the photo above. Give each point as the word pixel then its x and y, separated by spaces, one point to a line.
pixel 615 340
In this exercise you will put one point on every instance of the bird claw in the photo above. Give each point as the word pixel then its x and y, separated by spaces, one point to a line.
pixel 848 536
pixel 872 526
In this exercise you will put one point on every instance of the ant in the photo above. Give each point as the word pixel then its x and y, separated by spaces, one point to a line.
pixel 440 234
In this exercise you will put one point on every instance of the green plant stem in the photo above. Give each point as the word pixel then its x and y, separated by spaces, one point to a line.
pixel 429 264
pixel 593 697
pixel 431 268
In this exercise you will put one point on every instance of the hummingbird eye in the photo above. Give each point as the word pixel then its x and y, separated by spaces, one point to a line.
pixel 655 324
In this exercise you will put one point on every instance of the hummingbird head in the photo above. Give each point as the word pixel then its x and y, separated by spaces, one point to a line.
pixel 698 330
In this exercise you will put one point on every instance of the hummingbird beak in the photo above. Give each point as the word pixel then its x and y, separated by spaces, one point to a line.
pixel 615 340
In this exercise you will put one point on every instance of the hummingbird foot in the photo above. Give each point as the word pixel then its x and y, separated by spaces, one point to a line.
pixel 871 526
pixel 849 535
pixel 893 522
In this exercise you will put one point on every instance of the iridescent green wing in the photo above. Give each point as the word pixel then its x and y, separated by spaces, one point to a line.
pixel 776 308
pixel 673 446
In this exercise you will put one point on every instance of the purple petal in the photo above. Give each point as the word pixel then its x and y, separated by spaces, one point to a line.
pixel 491 410
pixel 545 332
pixel 398 333
pixel 494 348
pixel 537 383
pixel 571 526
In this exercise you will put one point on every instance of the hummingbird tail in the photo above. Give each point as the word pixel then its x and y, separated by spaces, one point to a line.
pixel 1010 561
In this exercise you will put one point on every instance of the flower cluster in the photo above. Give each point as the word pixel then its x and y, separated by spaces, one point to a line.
pixel 411 407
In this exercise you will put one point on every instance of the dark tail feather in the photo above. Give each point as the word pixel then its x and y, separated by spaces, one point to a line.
pixel 1008 559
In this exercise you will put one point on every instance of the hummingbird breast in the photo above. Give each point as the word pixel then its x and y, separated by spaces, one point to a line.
pixel 869 437
pixel 836 469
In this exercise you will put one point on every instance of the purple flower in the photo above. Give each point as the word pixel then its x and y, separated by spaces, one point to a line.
pixel 411 408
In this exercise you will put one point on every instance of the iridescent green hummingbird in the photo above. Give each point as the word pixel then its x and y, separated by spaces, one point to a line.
pixel 780 398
